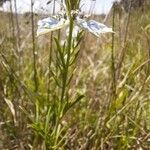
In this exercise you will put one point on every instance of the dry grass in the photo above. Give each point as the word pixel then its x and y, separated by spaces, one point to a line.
pixel 104 118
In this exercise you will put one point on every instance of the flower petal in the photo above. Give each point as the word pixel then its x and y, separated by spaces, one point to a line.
pixel 50 24
pixel 93 26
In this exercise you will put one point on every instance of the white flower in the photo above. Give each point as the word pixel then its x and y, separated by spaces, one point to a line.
pixel 93 27
pixel 50 24
pixel 57 22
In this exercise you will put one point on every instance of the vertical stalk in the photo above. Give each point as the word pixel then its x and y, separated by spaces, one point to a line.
pixel 64 76
pixel 18 38
pixel 16 45
pixel 50 59
pixel 17 23
pixel 35 142
pixel 13 25
pixel 113 71
pixel 34 50
pixel 123 50
pixel 66 69
pixel 49 66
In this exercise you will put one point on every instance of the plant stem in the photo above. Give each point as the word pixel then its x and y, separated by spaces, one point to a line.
pixel 33 50
pixel 66 69
pixel 50 59
pixel 113 71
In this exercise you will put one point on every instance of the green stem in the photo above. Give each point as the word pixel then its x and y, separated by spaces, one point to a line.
pixel 66 68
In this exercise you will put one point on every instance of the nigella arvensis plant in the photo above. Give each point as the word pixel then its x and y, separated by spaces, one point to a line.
pixel 61 20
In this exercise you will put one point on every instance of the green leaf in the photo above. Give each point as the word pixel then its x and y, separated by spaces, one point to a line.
pixel 76 101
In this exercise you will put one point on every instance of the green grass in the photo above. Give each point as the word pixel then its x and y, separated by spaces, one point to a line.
pixel 89 94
